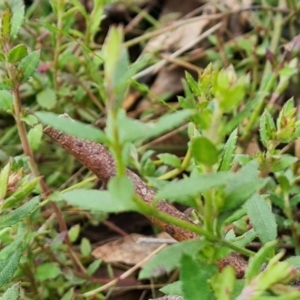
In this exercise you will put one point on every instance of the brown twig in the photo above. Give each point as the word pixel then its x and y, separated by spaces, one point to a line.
pixel 98 159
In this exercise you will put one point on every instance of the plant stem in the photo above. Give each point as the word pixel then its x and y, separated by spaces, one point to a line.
pixel 34 169
pixel 60 9
pixel 173 173
pixel 152 211
pixel 116 144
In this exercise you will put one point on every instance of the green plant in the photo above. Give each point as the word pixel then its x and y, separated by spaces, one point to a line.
pixel 236 196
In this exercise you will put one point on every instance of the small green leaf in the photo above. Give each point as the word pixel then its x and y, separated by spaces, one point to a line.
pixel 169 258
pixel 204 151
pixel 294 260
pixel 170 159
pixel 74 232
pixel 6 24
pixel 28 64
pixel 267 128
pixel 47 271
pixel 133 130
pixel 282 162
pixel 193 186
pixel 122 190
pixel 256 261
pixel 46 98
pixel 275 272
pixel 111 50
pixel 17 53
pixel 4 180
pixel 12 247
pixel 69 295
pixel 99 201
pixel 245 184
pixel 174 288
pixel 13 293
pixel 228 152
pixel 9 266
pixel 72 127
pixel 195 278
pixel 85 247
pixel 93 267
pixel 95 18
pixel 262 218
pixel 223 283
pixel 35 136
pixel 17 18
pixel 18 214
pixel 6 100
pixel 30 120
pixel 245 239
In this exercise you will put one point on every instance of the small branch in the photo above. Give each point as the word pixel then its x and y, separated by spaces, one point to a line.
pixel 34 169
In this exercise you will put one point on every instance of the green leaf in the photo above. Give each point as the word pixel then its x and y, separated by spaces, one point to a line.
pixel 46 98
pixel 282 162
pixel 9 266
pixel 122 190
pixel 170 159
pixel 35 136
pixel 47 271
pixel 21 193
pixel 17 18
pixel 169 259
pixel 69 295
pixel 13 293
pixel 12 247
pixel 95 18
pixel 228 152
pixel 28 64
pixel 6 24
pixel 223 283
pixel 245 239
pixel 85 247
pixel 256 261
pixel 174 288
pixel 18 214
pixel 117 198
pixel 4 174
pixel 133 130
pixel 267 128
pixel 74 232
pixel 193 186
pixel 6 100
pixel 93 267
pixel 72 127
pixel 195 278
pixel 275 272
pixel 17 53
pixel 30 120
pixel 245 184
pixel 204 151
pixel 294 260
pixel 262 218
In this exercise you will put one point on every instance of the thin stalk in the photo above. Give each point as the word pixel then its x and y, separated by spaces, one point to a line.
pixel 59 26
pixel 151 211
pixel 173 173
pixel 116 144
pixel 34 169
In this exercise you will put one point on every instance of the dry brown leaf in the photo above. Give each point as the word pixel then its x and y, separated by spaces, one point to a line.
pixel 127 250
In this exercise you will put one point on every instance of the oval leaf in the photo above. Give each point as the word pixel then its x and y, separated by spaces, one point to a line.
pixel 204 151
